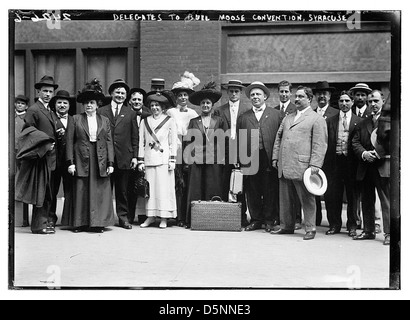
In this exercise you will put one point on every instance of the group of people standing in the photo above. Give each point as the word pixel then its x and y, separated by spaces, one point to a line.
pixel 180 153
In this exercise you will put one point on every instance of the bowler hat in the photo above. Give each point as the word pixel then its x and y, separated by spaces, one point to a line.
pixel 46 81
pixel 139 90
pixel 323 86
pixel 62 94
pixel 361 87
pixel 233 84
pixel 23 98
pixel 316 184
pixel 259 85
pixel 207 92
pixel 119 83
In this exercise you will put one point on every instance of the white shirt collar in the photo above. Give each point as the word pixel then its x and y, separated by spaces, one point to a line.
pixel 324 108
pixel 20 113
pixel 114 105
pixel 44 104
pixel 260 109
pixel 303 111
pixel 234 104
pixel 286 104
pixel 348 114
pixel 362 109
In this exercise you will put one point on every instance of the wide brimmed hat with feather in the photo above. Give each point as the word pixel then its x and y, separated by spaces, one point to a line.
pixel 209 91
pixel 91 91
pixel 187 84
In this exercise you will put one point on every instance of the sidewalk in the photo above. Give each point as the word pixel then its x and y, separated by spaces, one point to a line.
pixel 179 258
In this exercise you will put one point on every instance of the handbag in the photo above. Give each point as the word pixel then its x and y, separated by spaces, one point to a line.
pixel 142 187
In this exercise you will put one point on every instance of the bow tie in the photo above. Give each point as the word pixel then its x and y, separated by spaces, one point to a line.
pixel 139 113
pixel 257 110
pixel 63 116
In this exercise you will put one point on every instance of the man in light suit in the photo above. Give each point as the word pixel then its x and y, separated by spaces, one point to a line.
pixel 373 171
pixel 40 116
pixel 125 139
pixel 340 167
pixel 286 107
pixel 230 113
pixel 262 192
pixel 301 143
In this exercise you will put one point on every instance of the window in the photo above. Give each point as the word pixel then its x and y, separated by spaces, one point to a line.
pixel 106 65
pixel 58 64
pixel 19 74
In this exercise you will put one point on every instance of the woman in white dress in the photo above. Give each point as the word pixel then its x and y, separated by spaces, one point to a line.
pixel 157 157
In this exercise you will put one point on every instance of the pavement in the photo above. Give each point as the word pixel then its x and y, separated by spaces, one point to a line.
pixel 179 258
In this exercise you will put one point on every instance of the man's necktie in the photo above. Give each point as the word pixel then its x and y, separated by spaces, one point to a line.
pixel 345 123
pixel 116 112
pixel 375 121
pixel 360 114
pixel 282 109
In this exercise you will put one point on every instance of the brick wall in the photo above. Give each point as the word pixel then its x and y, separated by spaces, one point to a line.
pixel 169 48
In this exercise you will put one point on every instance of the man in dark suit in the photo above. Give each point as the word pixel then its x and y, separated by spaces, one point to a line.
pixel 125 139
pixel 42 118
pixel 360 107
pixel 61 104
pixel 323 93
pixel 136 99
pixel 300 144
pixel 262 190
pixel 286 107
pixel 373 170
pixel 340 167
pixel 230 113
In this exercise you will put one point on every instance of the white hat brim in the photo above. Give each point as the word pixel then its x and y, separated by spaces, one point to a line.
pixel 312 188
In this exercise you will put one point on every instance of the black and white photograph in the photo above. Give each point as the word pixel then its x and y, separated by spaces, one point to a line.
pixel 207 150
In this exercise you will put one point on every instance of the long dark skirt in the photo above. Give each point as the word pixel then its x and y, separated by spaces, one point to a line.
pixel 205 182
pixel 89 202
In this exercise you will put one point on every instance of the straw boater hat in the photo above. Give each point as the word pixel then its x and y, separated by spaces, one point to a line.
pixel 119 83
pixel 46 81
pixel 323 86
pixel 361 87
pixel 157 82
pixel 62 94
pixel 165 98
pixel 91 91
pixel 187 84
pixel 233 84
pixel 207 92
pixel 259 85
pixel 316 184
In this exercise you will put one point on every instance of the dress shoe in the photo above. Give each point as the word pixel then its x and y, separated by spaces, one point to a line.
pixel 148 222
pixel 279 230
pixel 377 228
pixel 245 223
pixel 43 231
pixel 181 224
pixel 386 240
pixel 163 224
pixel 366 236
pixel 310 235
pixel 126 225
pixel 97 229
pixel 352 233
pixel 269 227
pixel 332 231
pixel 298 226
pixel 253 226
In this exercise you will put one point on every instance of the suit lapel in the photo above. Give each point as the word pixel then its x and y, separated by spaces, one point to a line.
pixel 353 124
pixel 99 124
pixel 122 114
pixel 264 117
pixel 212 124
pixel 301 118
pixel 84 124
pixel 369 125
pixel 227 113
pixel 47 113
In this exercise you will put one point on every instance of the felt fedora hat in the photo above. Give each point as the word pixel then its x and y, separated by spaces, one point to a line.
pixel 62 94
pixel 119 83
pixel 46 81
pixel 361 87
pixel 233 84
pixel 23 98
pixel 323 86
pixel 165 98
pixel 316 184
pixel 209 91
pixel 259 85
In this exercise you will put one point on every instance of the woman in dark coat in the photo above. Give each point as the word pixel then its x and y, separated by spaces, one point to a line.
pixel 90 157
pixel 207 152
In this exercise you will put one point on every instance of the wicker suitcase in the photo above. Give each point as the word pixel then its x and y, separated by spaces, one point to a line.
pixel 215 215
